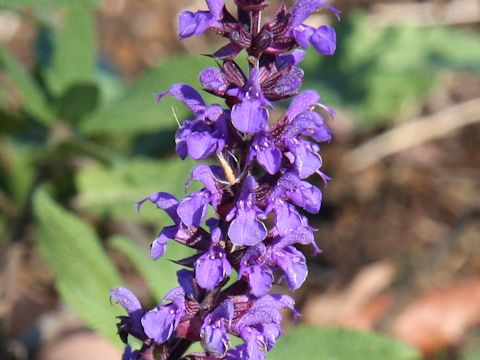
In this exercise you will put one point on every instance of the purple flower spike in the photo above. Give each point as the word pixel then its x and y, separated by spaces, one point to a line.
pixel 257 175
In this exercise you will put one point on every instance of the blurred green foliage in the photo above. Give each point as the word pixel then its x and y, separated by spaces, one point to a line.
pixel 472 356
pixel 305 342
pixel 74 135
pixel 380 74
pixel 82 269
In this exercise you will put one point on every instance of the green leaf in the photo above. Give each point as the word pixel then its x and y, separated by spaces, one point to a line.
pixel 136 112
pixel 78 101
pixel 83 272
pixel 160 275
pixel 19 172
pixel 32 98
pixel 114 189
pixel 74 49
pixel 339 344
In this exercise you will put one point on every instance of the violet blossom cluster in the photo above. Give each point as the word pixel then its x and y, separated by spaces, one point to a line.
pixel 256 187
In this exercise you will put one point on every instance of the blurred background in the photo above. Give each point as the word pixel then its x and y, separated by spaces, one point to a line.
pixel 81 139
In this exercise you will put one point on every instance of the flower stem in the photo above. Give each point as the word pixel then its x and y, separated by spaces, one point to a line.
pixel 255 22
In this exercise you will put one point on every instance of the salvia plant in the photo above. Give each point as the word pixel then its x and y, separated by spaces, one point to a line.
pixel 257 188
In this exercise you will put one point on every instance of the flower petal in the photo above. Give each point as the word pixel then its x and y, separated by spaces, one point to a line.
pixel 211 268
pixel 324 40
pixel 302 35
pixel 160 323
pixel 159 245
pixel 304 8
pixel 302 102
pixel 215 7
pixel 249 116
pixel 126 299
pixel 293 59
pixel 246 229
pixel 200 145
pixel 294 266
pixel 187 95
pixel 193 209
pixel 213 80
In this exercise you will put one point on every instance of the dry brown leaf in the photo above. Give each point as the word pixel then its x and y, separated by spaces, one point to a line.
pixel 79 347
pixel 441 317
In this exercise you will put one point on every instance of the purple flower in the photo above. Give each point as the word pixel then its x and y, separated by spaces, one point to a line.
pixel 304 121
pixel 301 193
pixel 324 38
pixel 212 267
pixel 304 157
pixel 267 154
pixel 292 59
pixel 204 135
pixel 293 264
pixel 160 323
pixel 250 115
pixel 193 209
pixel 169 203
pixel 245 227
pixel 215 328
pixel 259 262
pixel 259 327
pixel 255 268
pixel 196 23
pixel 304 8
pixel 131 324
